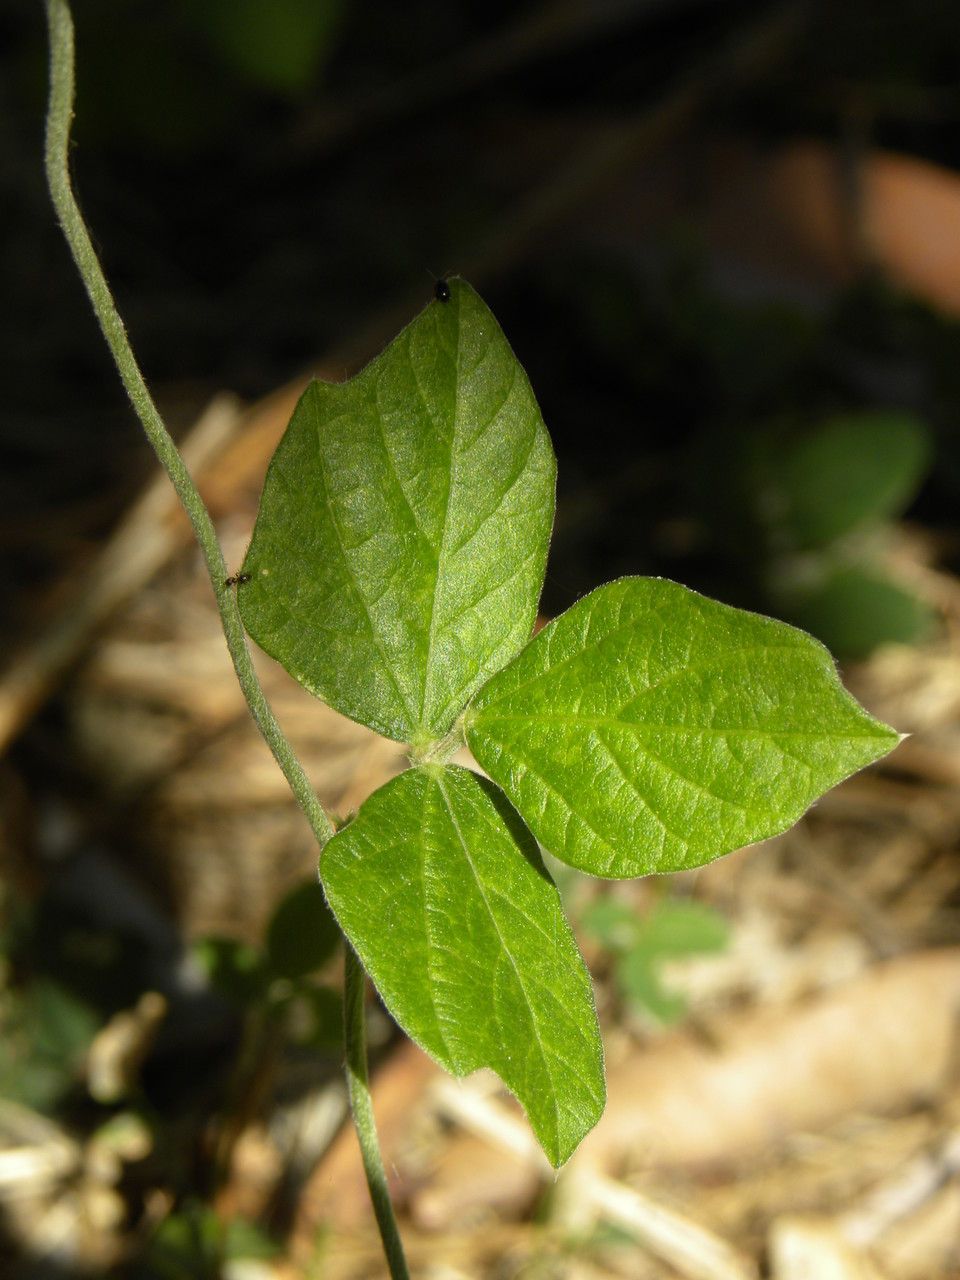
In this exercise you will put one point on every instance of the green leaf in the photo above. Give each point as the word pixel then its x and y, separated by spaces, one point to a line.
pixel 233 968
pixel 614 924
pixel 443 894
pixel 858 609
pixel 279 45
pixel 45 1032
pixel 848 472
pixel 244 1239
pixel 310 1015
pixel 641 941
pixel 400 548
pixel 187 1245
pixel 650 729
pixel 302 935
pixel 672 927
pixel 640 983
pixel 679 927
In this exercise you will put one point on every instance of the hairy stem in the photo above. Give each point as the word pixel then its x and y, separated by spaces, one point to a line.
pixel 355 1040
pixel 59 118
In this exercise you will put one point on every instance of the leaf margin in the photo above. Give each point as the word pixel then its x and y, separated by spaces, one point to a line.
pixel 511 775
pixel 573 1122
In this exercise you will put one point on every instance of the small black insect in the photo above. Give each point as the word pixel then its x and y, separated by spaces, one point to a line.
pixel 441 291
pixel 236 580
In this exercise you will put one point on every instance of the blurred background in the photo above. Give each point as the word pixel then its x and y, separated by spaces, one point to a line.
pixel 724 240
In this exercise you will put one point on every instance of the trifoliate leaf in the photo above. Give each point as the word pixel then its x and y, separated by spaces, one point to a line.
pixel 399 552
pixel 650 729
pixel 443 894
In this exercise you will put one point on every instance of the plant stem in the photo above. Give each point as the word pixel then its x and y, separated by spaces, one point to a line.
pixel 355 1042
pixel 59 118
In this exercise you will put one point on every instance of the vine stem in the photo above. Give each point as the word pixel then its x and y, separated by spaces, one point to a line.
pixel 362 1108
pixel 59 120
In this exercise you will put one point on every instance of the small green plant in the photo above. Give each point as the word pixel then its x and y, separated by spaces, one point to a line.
pixel 395 571
pixel 45 1033
pixel 194 1244
pixel 640 943
pixel 814 503
pixel 278 979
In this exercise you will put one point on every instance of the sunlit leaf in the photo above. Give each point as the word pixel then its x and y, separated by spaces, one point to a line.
pixel 399 551
pixel 443 894
pixel 650 729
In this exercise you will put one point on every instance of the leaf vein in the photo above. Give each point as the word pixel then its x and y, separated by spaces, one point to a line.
pixel 350 570
pixel 534 1021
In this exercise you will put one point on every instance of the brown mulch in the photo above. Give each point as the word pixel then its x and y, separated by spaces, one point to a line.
pixel 803 1119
